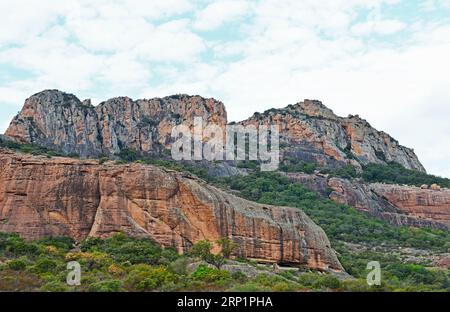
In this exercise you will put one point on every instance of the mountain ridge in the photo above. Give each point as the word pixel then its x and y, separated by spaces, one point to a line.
pixel 144 125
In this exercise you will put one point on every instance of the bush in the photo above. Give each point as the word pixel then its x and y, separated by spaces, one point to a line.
pixel 14 245
pixel 179 266
pixel 282 287
pixel 64 243
pixel 44 265
pixel 239 277
pixel 95 260
pixel 251 286
pixel 327 281
pixel 143 277
pixel 55 286
pixel 106 286
pixel 18 264
pixel 123 248
pixel 294 165
pixel 209 275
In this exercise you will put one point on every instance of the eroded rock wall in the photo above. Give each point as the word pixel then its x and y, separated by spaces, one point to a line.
pixel 79 198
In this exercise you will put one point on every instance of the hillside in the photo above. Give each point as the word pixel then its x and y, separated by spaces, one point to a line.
pixel 355 195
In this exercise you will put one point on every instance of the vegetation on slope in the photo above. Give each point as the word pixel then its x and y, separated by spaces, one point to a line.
pixel 343 224
pixel 390 173
pixel 394 173
pixel 121 263
pixel 33 149
pixel 125 264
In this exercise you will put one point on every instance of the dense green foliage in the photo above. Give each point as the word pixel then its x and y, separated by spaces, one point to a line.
pixel 121 263
pixel 33 149
pixel 394 173
pixel 339 221
pixel 344 224
pixel 293 165
pixel 390 173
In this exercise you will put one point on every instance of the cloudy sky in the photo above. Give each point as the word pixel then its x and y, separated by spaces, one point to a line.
pixel 386 60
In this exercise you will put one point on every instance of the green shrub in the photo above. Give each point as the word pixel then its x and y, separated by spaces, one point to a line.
pixel 327 281
pixel 239 277
pixel 44 265
pixel 64 243
pixel 282 287
pixel 14 245
pixel 123 248
pixel 290 164
pixel 18 264
pixel 143 277
pixel 128 155
pixel 251 286
pixel 179 266
pixel 308 279
pixel 55 286
pixel 106 286
pixel 209 275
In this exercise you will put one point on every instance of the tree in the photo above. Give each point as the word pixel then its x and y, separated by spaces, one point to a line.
pixel 228 246
pixel 202 250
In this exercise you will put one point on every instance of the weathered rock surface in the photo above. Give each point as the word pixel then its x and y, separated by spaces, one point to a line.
pixel 313 133
pixel 309 131
pixel 80 198
pixel 422 204
pixel 62 122
pixel 399 205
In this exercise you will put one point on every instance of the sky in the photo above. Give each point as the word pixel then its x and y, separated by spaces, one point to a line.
pixel 386 60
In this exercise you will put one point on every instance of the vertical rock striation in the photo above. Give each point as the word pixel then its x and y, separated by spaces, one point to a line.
pixel 80 198
pixel 60 121
pixel 311 132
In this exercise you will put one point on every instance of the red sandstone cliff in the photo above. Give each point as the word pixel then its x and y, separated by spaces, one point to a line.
pixel 60 121
pixel 399 205
pixel 309 130
pixel 61 196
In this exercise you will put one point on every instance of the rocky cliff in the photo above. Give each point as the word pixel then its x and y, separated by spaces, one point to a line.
pixel 80 198
pixel 399 205
pixel 60 121
pixel 311 132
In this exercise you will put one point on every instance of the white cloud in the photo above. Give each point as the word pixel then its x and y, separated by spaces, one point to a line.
pixel 431 5
pixel 219 12
pixel 381 27
pixel 286 50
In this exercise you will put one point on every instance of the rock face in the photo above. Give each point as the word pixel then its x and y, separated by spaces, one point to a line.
pixel 313 133
pixel 309 131
pixel 62 122
pixel 399 205
pixel 80 198
pixel 422 204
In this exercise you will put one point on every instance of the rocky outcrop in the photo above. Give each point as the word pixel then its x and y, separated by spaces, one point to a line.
pixel 309 131
pixel 313 133
pixel 60 121
pixel 424 205
pixel 398 205
pixel 80 198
